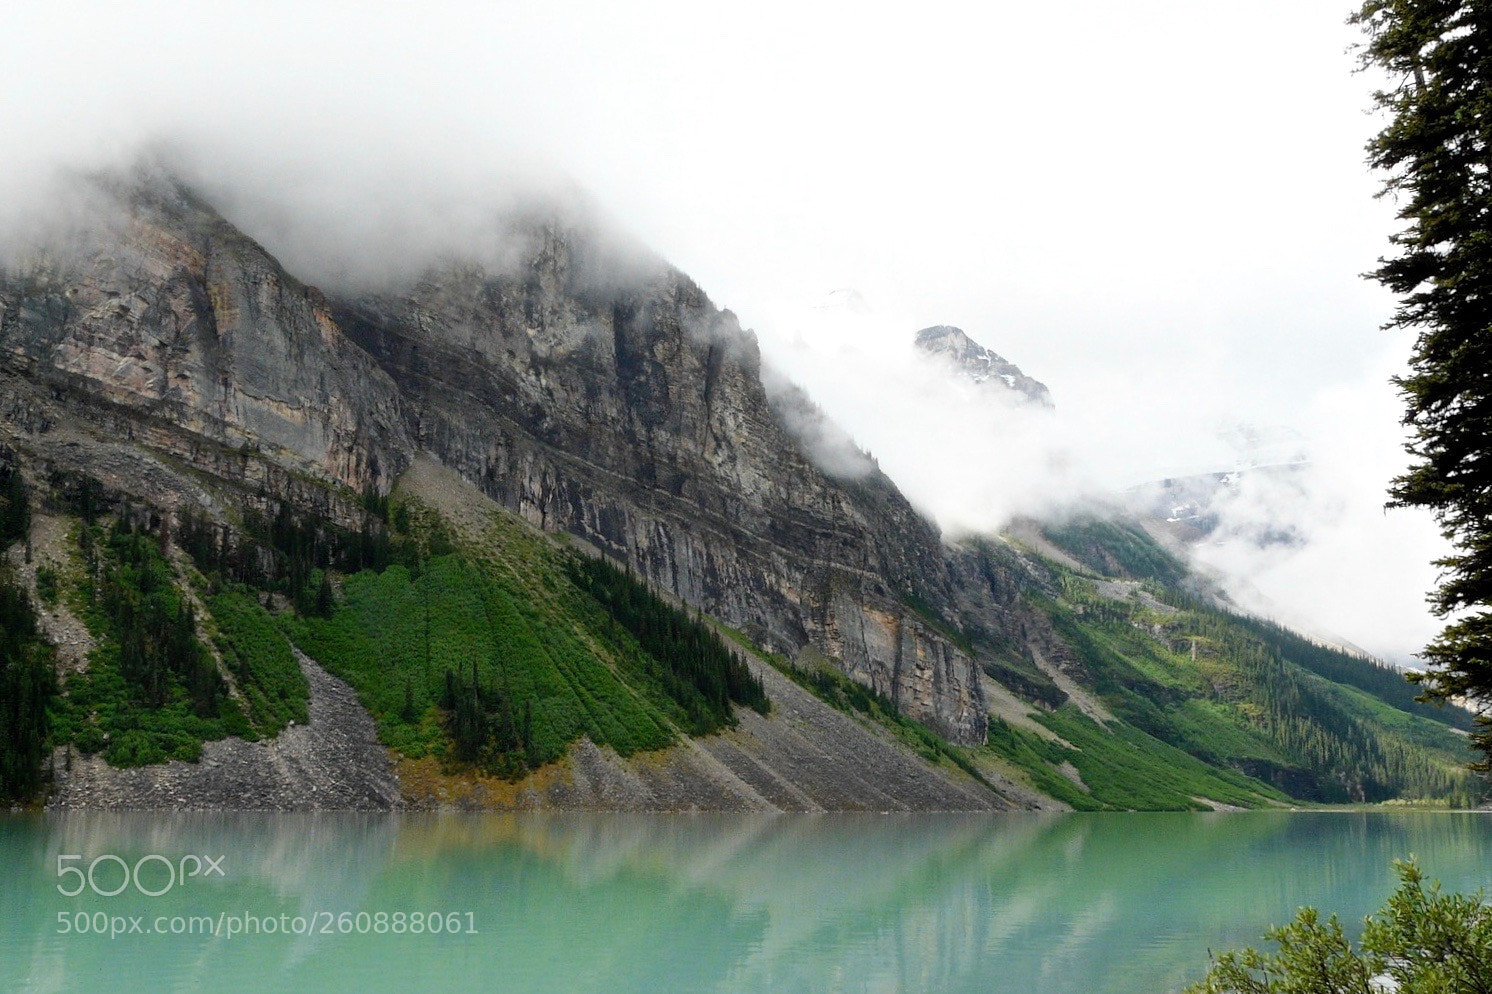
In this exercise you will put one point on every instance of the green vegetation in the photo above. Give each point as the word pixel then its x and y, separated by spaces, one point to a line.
pixel 698 670
pixel 259 657
pixel 499 656
pixel 28 685
pixel 1206 683
pixel 46 584
pixel 501 653
pixel 1125 767
pixel 1207 707
pixel 1117 549
pixel 1378 680
pixel 287 553
pixel 1120 767
pixel 15 504
pixel 1040 760
pixel 497 650
pixel 151 691
pixel 1262 712
pixel 1421 941
pixel 1296 729
pixel 396 634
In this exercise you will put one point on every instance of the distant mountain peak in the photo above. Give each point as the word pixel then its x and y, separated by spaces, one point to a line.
pixel 845 299
pixel 980 364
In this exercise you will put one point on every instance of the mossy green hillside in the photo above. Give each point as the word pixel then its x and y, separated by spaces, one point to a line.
pixel 259 657
pixel 1237 694
pixel 500 648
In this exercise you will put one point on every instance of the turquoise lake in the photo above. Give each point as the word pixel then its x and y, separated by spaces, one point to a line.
pixel 689 903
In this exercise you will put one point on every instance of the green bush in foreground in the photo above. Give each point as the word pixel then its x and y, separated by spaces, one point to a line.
pixel 1420 942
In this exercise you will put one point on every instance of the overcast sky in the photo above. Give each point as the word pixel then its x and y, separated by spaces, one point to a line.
pixel 1160 209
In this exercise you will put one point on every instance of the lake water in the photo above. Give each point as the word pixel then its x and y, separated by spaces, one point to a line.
pixel 621 903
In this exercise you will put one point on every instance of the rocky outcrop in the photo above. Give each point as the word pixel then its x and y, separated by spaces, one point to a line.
pixel 588 387
pixel 980 364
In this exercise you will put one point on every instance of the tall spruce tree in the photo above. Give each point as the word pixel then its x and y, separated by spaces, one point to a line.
pixel 1436 154
pixel 15 507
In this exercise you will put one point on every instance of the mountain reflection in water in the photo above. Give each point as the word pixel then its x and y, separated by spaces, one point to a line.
pixel 616 903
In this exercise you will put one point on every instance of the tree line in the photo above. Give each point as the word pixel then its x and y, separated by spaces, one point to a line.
pixel 28 675
pixel 1349 760
pixel 28 684
pixel 1325 751
pixel 288 553
pixel 698 669
pixel 15 503
pixel 129 582
pixel 483 727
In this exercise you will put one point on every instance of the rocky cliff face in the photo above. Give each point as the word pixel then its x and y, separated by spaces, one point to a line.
pixel 592 390
pixel 187 328
pixel 632 413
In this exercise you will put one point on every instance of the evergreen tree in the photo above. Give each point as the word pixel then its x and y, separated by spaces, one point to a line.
pixel 696 668
pixel 27 686
pixel 15 505
pixel 1435 152
pixel 325 600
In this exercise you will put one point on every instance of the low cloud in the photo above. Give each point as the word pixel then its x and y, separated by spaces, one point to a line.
pixel 1356 571
pixel 827 445
pixel 1175 290
pixel 1311 546
pixel 972 456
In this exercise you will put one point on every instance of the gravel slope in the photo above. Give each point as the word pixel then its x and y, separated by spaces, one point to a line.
pixel 333 763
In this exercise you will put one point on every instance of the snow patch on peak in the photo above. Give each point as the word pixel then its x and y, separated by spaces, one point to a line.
pixel 980 364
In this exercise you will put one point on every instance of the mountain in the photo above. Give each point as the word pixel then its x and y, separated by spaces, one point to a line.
pixel 1253 504
pixel 539 517
pixel 980 364
pixel 1253 497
